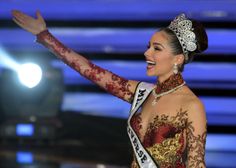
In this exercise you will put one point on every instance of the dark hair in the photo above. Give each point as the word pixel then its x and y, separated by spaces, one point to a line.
pixel 201 38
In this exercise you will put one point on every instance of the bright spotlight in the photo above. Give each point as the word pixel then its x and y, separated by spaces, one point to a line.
pixel 29 74
pixel 6 60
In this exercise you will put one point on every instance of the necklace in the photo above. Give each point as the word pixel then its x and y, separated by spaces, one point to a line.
pixel 170 85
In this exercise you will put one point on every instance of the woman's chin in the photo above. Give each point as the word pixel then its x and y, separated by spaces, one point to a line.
pixel 150 73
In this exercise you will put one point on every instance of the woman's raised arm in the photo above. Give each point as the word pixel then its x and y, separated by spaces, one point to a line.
pixel 109 81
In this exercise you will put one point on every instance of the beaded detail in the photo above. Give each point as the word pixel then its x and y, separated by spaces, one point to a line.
pixel 173 83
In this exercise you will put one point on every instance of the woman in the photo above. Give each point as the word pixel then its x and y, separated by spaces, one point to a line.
pixel 167 124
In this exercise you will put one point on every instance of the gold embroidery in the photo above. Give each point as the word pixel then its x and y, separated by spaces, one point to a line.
pixel 169 150
pixel 166 152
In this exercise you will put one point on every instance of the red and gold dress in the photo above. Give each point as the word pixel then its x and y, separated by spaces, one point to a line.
pixel 164 138
pixel 171 141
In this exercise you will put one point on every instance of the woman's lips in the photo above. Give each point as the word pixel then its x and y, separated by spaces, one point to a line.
pixel 150 64
pixel 150 67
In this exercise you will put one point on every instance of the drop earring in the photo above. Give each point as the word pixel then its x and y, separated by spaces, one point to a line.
pixel 175 69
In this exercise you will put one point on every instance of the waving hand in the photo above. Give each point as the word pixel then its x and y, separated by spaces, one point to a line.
pixel 30 24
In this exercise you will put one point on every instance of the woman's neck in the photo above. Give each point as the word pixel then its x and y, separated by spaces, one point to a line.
pixel 169 83
pixel 163 78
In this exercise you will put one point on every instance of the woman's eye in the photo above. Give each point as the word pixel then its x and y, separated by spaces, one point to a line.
pixel 156 48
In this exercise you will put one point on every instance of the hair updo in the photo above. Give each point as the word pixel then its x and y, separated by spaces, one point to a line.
pixel 201 38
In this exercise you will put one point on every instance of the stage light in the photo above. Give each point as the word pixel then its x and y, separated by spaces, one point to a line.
pixel 6 60
pixel 24 157
pixel 30 113
pixel 41 101
pixel 24 129
pixel 30 74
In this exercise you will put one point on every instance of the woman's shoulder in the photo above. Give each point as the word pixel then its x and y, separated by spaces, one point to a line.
pixel 190 100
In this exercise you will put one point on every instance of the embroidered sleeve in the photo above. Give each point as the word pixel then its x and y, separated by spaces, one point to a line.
pixel 107 80
pixel 196 138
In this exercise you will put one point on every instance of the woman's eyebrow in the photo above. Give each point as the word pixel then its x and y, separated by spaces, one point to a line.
pixel 156 43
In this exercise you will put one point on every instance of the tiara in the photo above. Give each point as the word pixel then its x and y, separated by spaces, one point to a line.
pixel 182 27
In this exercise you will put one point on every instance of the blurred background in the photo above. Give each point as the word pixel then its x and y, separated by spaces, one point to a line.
pixel 57 119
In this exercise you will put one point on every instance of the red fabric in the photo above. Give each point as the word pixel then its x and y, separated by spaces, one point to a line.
pixel 156 135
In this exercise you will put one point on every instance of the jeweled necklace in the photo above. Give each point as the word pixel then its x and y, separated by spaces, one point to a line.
pixel 173 83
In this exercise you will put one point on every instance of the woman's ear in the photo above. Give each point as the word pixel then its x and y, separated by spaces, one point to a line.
pixel 179 59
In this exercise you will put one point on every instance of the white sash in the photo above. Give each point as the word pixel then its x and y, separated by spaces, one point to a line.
pixel 142 156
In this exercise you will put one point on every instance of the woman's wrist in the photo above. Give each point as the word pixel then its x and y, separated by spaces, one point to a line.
pixel 54 45
pixel 41 36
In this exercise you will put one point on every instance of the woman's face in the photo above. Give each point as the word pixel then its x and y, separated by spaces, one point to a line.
pixel 159 57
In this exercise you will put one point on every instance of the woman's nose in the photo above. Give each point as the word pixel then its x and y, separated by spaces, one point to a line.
pixel 146 53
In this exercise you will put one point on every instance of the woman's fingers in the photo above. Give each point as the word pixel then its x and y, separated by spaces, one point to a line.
pixel 15 12
pixel 39 16
pixel 22 17
pixel 27 28
pixel 23 25
pixel 26 17
pixel 29 23
pixel 19 19
pixel 19 23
